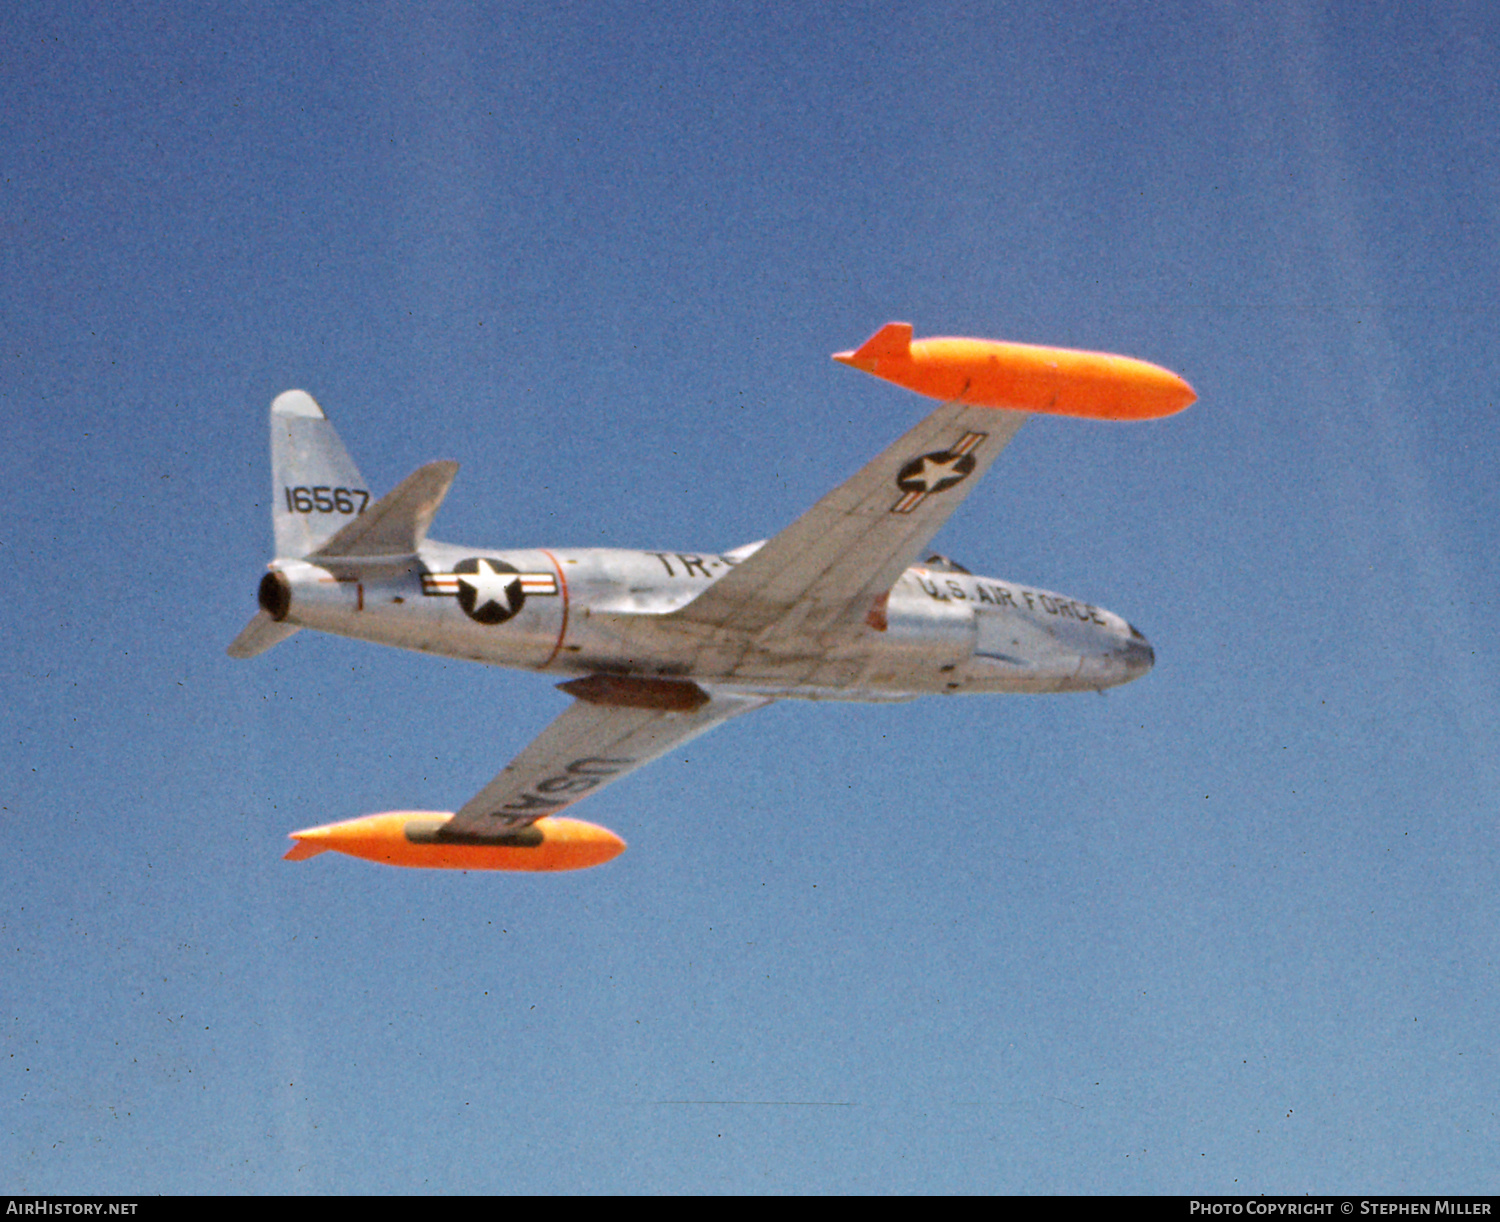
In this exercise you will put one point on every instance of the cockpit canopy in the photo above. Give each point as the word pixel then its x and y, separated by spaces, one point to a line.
pixel 941 564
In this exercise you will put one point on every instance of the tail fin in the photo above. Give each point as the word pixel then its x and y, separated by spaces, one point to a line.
pixel 318 502
pixel 317 489
pixel 891 342
pixel 304 849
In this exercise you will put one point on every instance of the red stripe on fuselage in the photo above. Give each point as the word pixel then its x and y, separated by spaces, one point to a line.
pixel 562 586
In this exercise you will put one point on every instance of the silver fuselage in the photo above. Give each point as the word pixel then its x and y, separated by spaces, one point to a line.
pixel 578 611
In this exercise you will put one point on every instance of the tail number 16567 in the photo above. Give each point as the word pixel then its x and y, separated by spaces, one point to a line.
pixel 323 499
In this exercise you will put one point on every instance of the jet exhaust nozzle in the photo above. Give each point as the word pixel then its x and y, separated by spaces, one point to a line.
pixel 275 595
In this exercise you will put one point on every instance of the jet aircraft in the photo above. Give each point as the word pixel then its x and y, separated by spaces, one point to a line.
pixel 657 648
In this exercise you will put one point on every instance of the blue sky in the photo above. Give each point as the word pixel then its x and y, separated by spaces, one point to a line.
pixel 1229 929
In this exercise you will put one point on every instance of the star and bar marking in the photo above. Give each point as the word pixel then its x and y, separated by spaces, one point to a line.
pixel 936 472
pixel 489 591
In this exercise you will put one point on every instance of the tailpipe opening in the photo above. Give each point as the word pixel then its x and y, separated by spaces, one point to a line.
pixel 275 595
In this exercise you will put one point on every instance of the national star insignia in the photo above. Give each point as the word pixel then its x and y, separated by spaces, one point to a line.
pixel 937 471
pixel 492 588
pixel 489 591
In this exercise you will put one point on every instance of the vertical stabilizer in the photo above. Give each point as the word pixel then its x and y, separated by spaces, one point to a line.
pixel 317 489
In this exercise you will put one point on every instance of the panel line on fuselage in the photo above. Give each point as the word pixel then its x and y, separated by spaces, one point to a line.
pixel 562 587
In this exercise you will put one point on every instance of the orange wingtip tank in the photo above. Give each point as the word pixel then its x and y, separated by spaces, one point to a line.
pixel 1021 377
pixel 411 838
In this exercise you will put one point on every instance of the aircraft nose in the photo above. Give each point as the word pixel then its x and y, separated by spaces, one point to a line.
pixel 1138 655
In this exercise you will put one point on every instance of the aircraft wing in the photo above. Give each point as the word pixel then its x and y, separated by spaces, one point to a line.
pixel 831 569
pixel 615 725
pixel 814 584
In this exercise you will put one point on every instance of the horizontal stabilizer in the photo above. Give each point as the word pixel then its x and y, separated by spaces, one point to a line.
pixel 259 635
pixel 397 523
